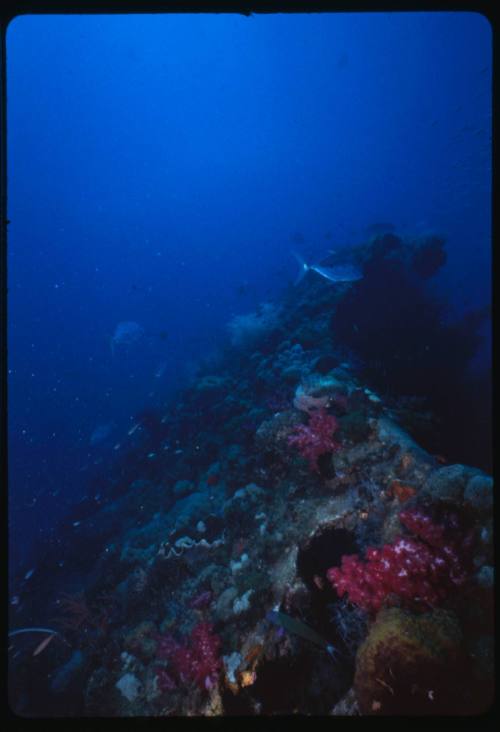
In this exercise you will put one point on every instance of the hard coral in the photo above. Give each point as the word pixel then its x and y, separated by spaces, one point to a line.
pixel 315 438
pixel 199 662
pixel 411 571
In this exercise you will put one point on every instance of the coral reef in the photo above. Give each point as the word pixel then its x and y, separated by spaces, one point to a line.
pixel 162 591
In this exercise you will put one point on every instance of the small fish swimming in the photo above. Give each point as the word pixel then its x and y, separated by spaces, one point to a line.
pixel 297 627
pixel 337 273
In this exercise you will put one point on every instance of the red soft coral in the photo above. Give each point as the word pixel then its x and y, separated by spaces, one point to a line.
pixel 199 662
pixel 409 571
pixel 315 438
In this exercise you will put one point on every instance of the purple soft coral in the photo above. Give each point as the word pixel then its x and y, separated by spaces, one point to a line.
pixel 315 438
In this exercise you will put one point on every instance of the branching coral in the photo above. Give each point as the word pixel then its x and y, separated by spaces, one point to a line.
pixel 315 438
pixel 419 571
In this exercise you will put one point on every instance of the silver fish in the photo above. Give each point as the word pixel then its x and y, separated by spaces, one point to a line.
pixel 338 273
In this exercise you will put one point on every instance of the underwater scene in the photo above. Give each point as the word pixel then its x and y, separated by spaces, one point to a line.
pixel 249 365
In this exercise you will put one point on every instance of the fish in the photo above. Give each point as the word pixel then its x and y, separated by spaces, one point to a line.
pixel 337 273
pixel 43 644
pixel 297 627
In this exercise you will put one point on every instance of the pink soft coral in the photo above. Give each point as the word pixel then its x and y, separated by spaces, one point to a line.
pixel 315 438
pixel 413 572
pixel 199 662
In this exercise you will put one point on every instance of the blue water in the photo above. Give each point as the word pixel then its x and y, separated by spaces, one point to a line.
pixel 161 170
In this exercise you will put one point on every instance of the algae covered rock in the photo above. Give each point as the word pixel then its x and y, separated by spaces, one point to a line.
pixel 410 664
pixel 318 385
pixel 243 500
pixel 183 488
pixel 448 484
pixel 141 640
pixel 479 493
pixel 189 510
pixel 224 604
pixel 355 427
pixel 272 435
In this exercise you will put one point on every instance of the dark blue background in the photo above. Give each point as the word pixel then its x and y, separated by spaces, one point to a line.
pixel 157 164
